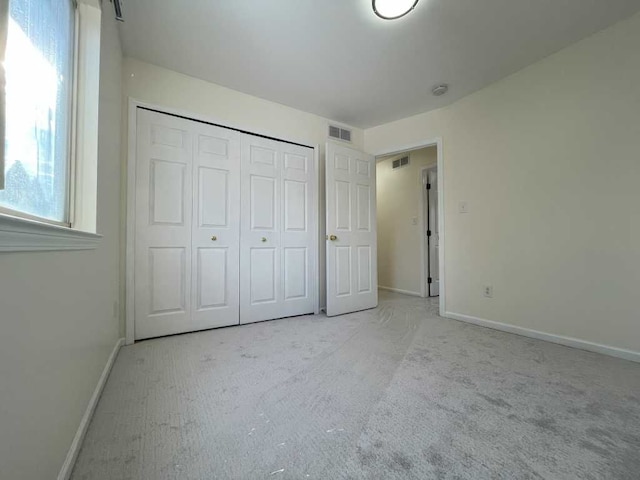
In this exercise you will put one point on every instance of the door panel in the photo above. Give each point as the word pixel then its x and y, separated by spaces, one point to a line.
pixel 352 274
pixel 277 215
pixel 216 227
pixel 211 279
pixel 162 266
pixel 213 200
pixel 167 280
pixel 167 192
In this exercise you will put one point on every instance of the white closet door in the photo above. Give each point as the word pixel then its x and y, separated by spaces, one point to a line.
pixel 276 261
pixel 187 193
pixel 352 271
pixel 163 225
pixel 298 262
pixel 216 227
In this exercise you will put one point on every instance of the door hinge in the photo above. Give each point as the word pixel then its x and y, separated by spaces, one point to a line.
pixel 430 280
pixel 428 186
pixel 428 233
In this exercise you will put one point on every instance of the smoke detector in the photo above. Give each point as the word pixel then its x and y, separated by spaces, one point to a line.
pixel 439 90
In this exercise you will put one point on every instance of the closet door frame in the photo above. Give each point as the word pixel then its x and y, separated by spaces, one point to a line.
pixel 131 131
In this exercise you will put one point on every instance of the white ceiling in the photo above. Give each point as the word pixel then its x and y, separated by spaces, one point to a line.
pixel 335 58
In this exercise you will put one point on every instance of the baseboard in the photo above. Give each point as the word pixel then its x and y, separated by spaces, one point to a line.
pixel 549 337
pixel 398 290
pixel 67 466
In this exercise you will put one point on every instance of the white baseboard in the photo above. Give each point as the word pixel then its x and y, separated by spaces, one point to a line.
pixel 549 337
pixel 67 466
pixel 398 290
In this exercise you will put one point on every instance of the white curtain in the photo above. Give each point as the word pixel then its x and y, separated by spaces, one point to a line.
pixel 4 25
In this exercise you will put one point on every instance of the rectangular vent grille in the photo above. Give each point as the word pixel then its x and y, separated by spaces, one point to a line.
pixel 400 162
pixel 340 133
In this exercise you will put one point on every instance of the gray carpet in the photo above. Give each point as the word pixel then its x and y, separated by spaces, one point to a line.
pixel 395 392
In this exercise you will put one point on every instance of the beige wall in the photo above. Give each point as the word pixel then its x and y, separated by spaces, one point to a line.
pixel 57 321
pixel 162 87
pixel 549 163
pixel 400 242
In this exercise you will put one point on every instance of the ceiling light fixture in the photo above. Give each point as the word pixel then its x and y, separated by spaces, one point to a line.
pixel 392 9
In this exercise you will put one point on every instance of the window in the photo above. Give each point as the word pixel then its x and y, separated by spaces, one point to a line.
pixel 39 64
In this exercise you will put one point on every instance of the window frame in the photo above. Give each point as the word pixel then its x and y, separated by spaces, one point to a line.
pixel 21 231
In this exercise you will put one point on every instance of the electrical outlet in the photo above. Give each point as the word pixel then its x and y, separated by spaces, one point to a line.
pixel 487 291
pixel 463 207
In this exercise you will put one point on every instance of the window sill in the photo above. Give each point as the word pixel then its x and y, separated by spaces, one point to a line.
pixel 21 235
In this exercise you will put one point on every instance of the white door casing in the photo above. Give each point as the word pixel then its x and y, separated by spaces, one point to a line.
pixel 277 260
pixel 433 240
pixel 352 272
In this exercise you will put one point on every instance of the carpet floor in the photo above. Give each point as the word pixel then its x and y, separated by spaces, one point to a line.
pixel 391 393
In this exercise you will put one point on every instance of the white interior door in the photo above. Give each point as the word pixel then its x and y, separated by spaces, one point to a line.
pixel 276 260
pixel 187 193
pixel 216 227
pixel 352 272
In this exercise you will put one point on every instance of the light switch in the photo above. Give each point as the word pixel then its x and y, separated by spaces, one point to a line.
pixel 463 207
pixel 414 220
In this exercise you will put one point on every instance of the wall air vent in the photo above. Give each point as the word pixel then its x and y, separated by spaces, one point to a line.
pixel 400 162
pixel 339 133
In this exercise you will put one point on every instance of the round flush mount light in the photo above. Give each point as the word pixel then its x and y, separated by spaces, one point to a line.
pixel 392 9
pixel 440 90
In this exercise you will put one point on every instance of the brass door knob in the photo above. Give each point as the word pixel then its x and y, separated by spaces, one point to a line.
pixel 214 238
pixel 333 238
pixel 264 239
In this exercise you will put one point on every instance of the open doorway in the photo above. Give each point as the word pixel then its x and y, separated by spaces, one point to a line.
pixel 410 223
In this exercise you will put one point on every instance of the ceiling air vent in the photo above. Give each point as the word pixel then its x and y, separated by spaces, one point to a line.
pixel 400 162
pixel 339 133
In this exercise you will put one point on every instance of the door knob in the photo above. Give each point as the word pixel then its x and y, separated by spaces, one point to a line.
pixel 264 239
pixel 214 238
pixel 333 238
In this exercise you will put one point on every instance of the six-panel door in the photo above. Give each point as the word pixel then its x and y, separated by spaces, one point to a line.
pixel 352 273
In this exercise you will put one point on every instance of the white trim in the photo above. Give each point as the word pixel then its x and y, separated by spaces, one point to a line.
pixel 424 288
pixel 23 235
pixel 72 455
pixel 398 290
pixel 548 337
pixel 131 223
pixel 85 165
pixel 437 142
pixel 316 230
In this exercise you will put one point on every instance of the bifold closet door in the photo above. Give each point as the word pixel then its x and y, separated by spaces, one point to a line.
pixel 276 262
pixel 187 219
